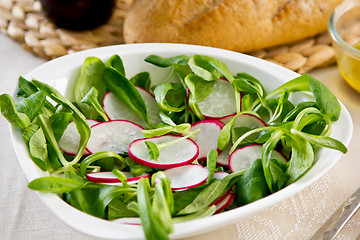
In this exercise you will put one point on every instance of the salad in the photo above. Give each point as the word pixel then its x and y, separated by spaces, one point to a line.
pixel 200 142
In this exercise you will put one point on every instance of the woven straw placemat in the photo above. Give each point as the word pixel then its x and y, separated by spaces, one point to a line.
pixel 23 21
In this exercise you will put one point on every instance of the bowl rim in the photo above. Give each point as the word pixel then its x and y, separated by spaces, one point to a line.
pixel 337 13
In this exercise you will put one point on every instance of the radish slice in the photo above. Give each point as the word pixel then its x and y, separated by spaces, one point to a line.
pixel 225 202
pixel 174 155
pixel 242 158
pixel 223 158
pixel 221 101
pixel 115 136
pixel 109 177
pixel 249 120
pixel 117 110
pixel 220 175
pixel 208 136
pixel 128 221
pixel 69 141
pixel 187 176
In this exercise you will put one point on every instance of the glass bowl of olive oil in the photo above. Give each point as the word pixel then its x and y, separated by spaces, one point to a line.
pixel 344 28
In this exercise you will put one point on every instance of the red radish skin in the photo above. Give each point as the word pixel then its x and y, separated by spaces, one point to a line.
pixel 169 157
pixel 187 176
pixel 109 177
pixel 225 202
pixel 208 136
pixel 242 158
pixel 114 135
pixel 69 141
pixel 117 110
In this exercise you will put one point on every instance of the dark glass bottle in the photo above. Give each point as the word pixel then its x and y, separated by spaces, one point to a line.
pixel 78 14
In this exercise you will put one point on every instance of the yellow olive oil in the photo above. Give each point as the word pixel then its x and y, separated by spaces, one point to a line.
pixel 349 66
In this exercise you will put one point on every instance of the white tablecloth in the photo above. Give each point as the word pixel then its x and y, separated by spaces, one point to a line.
pixel 24 216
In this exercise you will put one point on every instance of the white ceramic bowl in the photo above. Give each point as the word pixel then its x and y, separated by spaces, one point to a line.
pixel 62 72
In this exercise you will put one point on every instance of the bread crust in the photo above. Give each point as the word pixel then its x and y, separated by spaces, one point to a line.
pixel 238 25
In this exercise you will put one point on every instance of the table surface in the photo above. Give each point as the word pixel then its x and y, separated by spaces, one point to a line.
pixel 24 216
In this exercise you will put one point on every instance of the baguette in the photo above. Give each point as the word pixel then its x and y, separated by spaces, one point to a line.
pixel 238 25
